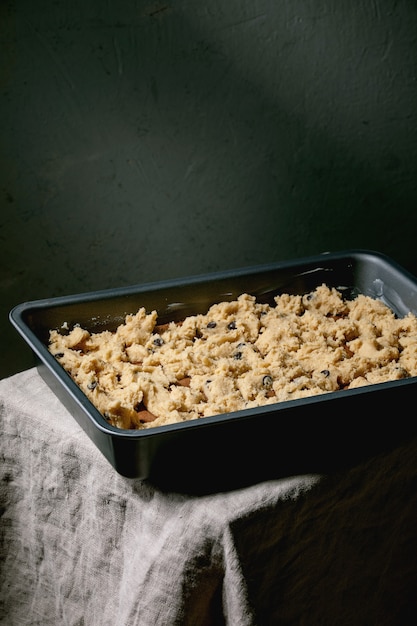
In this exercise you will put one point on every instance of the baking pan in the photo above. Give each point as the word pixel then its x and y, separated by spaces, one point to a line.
pixel 317 434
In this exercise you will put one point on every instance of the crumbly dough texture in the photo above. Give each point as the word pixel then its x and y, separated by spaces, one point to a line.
pixel 238 355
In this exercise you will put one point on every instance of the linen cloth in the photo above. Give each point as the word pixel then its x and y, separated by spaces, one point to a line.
pixel 83 546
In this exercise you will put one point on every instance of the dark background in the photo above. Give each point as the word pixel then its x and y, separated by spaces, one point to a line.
pixel 146 140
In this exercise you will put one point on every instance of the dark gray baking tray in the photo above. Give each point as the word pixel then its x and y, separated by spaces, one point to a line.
pixel 316 434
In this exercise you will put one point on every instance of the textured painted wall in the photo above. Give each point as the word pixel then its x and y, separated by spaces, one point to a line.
pixel 145 140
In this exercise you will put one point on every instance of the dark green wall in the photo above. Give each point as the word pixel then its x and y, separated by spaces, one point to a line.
pixel 146 140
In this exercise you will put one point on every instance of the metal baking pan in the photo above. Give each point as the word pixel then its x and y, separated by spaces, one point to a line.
pixel 316 434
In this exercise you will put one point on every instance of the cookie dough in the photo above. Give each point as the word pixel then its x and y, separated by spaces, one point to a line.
pixel 238 355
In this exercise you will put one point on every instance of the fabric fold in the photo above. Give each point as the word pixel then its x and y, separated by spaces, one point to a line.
pixel 82 545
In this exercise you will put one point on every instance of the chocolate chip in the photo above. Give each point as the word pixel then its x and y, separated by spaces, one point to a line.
pixel 59 355
pixel 212 325
pixel 325 373
pixel 92 385
pixel 143 414
pixel 158 341
pixel 237 356
pixel 184 382
pixel 231 326
pixel 146 416
pixel 267 381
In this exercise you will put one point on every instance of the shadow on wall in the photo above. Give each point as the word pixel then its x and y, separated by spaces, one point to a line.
pixel 144 143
